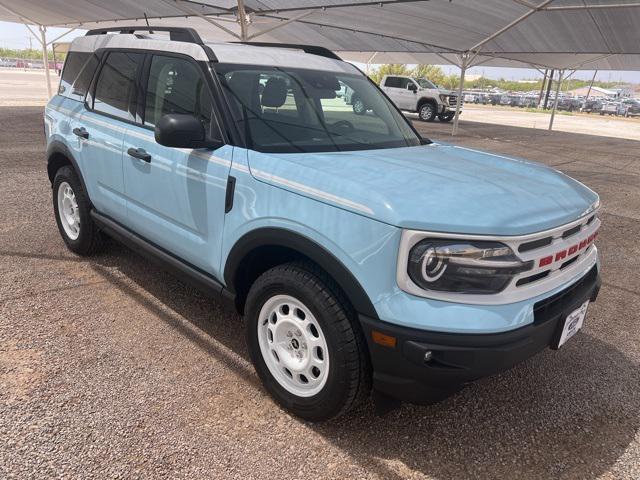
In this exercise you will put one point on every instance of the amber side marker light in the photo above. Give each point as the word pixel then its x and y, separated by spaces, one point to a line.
pixel 382 339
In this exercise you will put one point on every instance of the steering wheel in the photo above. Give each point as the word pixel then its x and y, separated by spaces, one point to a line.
pixel 344 125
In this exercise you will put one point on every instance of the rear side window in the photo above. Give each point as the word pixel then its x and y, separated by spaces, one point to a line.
pixel 115 87
pixel 76 76
pixel 176 85
pixel 393 82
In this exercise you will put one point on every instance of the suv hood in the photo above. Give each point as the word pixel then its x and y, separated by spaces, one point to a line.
pixel 435 187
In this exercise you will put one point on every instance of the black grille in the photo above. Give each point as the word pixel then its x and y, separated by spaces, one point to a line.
pixel 453 100
pixel 542 242
pixel 556 305
pixel 532 278
pixel 571 231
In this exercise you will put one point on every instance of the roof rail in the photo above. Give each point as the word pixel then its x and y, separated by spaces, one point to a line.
pixel 311 49
pixel 177 34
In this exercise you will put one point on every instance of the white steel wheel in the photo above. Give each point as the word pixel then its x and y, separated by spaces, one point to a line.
pixel 68 211
pixel 293 346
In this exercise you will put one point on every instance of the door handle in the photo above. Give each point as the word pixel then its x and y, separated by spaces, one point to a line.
pixel 81 132
pixel 139 153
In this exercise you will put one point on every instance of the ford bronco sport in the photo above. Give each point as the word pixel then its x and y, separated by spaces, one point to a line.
pixel 361 255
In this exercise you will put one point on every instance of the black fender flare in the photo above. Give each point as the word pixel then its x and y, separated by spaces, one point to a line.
pixel 55 148
pixel 269 236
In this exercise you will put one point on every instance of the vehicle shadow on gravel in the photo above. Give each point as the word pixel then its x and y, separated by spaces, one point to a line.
pixel 566 414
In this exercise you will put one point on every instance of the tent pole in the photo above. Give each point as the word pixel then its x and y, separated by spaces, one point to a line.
pixel 546 95
pixel 555 101
pixel 544 80
pixel 591 83
pixel 463 69
pixel 242 17
pixel 45 58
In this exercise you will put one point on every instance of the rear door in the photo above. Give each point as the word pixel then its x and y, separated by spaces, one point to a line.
pixel 392 87
pixel 101 129
pixel 176 196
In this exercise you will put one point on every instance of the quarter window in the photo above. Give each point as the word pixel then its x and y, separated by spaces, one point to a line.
pixel 176 85
pixel 77 74
pixel 115 88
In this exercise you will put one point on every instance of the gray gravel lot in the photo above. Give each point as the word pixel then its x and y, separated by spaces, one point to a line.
pixel 111 368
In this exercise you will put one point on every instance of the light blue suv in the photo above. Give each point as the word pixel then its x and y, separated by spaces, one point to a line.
pixel 360 254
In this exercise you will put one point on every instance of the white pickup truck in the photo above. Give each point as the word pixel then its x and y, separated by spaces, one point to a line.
pixel 421 96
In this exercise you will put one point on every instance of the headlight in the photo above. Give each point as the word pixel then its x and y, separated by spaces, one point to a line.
pixel 463 266
pixel 444 99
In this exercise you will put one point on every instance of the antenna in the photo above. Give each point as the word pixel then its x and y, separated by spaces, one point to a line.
pixel 146 19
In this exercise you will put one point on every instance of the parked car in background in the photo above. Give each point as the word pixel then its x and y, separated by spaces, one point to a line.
pixel 631 107
pixel 592 106
pixel 421 96
pixel 570 104
pixel 610 108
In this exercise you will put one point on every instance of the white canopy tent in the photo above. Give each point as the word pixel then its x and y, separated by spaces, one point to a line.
pixel 557 34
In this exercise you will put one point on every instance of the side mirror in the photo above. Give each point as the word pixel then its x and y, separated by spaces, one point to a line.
pixel 182 131
pixel 412 87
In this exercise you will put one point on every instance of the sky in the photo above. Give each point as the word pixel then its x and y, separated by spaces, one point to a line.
pixel 15 35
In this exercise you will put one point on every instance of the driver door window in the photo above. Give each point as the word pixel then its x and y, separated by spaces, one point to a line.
pixel 176 85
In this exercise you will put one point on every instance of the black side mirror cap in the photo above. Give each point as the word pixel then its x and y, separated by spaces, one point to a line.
pixel 182 131
pixel 412 87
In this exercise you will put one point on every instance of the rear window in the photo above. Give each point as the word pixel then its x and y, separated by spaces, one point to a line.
pixel 75 65
pixel 115 87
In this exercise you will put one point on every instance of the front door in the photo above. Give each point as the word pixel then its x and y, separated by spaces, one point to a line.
pixel 176 196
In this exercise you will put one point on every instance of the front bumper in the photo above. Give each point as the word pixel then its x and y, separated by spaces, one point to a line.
pixel 455 359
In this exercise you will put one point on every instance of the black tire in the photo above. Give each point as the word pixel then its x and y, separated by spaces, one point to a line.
pixel 358 106
pixel 90 240
pixel 427 112
pixel 348 380
pixel 446 117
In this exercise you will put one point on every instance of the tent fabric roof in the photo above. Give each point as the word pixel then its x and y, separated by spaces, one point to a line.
pixel 565 34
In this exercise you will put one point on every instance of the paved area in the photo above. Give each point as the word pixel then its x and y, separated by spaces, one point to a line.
pixel 590 124
pixel 110 368
pixel 21 87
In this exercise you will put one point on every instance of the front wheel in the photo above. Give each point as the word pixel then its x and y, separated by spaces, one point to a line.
pixel 446 117
pixel 427 112
pixel 305 344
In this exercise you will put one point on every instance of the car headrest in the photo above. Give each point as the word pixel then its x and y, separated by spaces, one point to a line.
pixel 244 86
pixel 275 93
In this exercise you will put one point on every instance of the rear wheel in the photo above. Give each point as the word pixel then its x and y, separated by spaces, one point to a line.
pixel 305 344
pixel 359 107
pixel 427 112
pixel 72 211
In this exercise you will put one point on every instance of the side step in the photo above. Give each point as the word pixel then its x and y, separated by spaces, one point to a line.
pixel 186 272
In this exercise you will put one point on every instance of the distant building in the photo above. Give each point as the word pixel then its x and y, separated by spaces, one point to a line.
pixel 596 92
pixel 624 91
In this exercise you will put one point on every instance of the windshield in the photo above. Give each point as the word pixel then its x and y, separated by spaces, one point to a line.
pixel 424 83
pixel 289 110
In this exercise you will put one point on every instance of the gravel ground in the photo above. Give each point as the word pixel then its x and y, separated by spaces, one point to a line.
pixel 110 368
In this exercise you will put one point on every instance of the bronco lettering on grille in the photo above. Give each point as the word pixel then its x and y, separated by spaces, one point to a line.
pixel 567 252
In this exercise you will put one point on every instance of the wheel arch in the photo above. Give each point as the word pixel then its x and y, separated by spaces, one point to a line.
pixel 264 248
pixel 424 100
pixel 58 156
